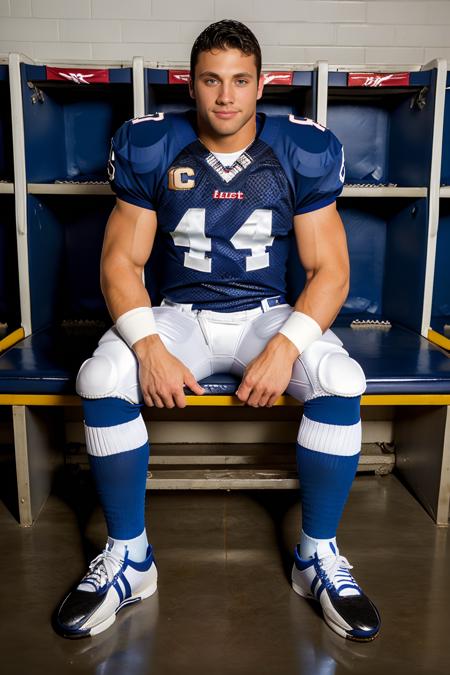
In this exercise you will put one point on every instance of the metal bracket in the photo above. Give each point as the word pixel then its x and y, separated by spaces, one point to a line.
pixel 37 95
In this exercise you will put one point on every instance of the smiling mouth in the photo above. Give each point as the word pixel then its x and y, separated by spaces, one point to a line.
pixel 225 113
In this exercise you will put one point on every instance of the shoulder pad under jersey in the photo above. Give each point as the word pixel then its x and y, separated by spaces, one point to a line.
pixel 312 157
pixel 141 149
pixel 147 141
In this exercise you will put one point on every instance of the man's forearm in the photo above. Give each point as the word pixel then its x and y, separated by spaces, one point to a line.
pixel 123 289
pixel 323 297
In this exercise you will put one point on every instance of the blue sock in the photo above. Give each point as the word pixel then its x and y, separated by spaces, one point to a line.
pixel 328 449
pixel 118 450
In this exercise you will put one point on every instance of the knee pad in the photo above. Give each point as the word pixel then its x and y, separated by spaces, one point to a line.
pixel 331 371
pixel 340 375
pixel 111 371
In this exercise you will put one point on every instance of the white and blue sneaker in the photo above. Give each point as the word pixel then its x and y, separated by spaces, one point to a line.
pixel 110 584
pixel 326 578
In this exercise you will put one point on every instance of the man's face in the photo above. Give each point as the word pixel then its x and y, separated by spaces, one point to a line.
pixel 226 89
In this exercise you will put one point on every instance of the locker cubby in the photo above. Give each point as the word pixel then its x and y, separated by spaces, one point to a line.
pixel 386 132
pixel 6 147
pixel 387 240
pixel 65 236
pixel 445 166
pixel 9 283
pixel 69 125
pixel 387 245
pixel 296 98
pixel 440 312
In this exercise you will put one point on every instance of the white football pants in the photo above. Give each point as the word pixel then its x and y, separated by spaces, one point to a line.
pixel 209 342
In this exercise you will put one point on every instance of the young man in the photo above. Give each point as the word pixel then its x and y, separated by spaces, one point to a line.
pixel 225 186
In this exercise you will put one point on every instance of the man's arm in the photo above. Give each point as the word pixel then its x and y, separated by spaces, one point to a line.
pixel 322 247
pixel 128 242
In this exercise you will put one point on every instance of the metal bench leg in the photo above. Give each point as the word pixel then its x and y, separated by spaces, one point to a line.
pixel 37 436
pixel 422 440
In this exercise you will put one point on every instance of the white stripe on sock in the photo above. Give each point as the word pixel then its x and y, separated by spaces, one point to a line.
pixel 105 441
pixel 332 439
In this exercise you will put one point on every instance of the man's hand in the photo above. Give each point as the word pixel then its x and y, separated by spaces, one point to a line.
pixel 162 376
pixel 268 375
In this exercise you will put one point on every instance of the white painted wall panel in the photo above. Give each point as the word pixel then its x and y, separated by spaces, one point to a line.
pixel 341 31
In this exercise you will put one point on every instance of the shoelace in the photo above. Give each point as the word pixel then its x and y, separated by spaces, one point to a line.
pixel 336 569
pixel 102 570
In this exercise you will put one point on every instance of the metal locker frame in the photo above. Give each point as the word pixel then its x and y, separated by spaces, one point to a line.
pixel 38 431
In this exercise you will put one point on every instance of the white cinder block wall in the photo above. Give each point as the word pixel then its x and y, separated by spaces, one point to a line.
pixel 340 31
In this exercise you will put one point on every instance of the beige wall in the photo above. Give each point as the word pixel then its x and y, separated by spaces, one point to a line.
pixel 340 31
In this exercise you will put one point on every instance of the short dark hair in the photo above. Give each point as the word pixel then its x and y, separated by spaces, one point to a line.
pixel 226 34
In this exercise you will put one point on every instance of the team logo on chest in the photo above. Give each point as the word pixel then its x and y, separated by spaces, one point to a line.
pixel 179 178
pixel 218 194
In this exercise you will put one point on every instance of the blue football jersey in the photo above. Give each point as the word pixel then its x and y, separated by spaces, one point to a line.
pixel 225 232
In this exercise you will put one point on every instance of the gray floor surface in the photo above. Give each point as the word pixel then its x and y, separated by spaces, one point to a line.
pixel 224 603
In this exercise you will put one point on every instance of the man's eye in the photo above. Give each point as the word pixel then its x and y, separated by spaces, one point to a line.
pixel 242 82
pixel 210 80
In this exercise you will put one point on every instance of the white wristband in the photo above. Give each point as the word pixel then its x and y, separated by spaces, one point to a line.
pixel 136 324
pixel 301 329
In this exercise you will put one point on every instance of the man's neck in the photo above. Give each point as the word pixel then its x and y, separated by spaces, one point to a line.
pixel 232 143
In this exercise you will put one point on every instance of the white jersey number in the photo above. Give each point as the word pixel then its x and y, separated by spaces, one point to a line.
pixel 254 235
pixel 190 232
pixel 306 122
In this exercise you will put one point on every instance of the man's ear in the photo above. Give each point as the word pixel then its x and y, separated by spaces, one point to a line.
pixel 191 87
pixel 260 86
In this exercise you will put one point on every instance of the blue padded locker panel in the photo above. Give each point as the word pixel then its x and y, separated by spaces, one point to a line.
pixel 445 166
pixel 270 107
pixel 440 312
pixel 365 223
pixel 68 231
pixel 89 126
pixel 6 150
pixel 84 223
pixel 406 246
pixel 365 226
pixel 411 138
pixel 68 128
pixel 45 256
pixel 120 75
pixel 44 136
pixel 285 101
pixel 163 97
pixel 386 134
pixel 386 240
pixel 173 107
pixel 9 279
pixel 363 130
pixel 156 76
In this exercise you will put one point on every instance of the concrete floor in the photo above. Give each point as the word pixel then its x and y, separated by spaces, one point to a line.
pixel 224 604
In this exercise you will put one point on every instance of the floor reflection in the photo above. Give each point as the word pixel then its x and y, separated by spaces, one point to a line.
pixel 127 648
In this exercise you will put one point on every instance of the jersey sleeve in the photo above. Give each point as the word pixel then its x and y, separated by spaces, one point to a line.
pixel 132 168
pixel 319 170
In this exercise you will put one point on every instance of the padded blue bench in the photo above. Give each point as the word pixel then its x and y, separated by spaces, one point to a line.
pixel 405 372
pixel 396 361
